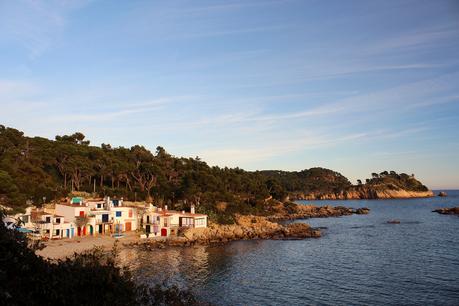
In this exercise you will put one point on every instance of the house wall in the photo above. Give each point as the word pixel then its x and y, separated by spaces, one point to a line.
pixel 70 212
pixel 128 214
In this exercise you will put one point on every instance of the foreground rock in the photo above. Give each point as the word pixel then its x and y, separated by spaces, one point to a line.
pixel 246 228
pixel 448 211
pixel 249 227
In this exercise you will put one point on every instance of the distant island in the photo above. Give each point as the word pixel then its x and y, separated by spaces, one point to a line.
pixel 35 170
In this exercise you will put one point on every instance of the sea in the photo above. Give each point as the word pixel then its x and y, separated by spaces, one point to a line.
pixel 359 260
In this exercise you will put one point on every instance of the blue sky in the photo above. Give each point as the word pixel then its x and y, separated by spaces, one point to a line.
pixel 355 86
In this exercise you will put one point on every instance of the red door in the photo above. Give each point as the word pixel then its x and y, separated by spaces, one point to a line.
pixel 164 232
pixel 84 231
pixel 79 231
pixel 82 213
pixel 127 226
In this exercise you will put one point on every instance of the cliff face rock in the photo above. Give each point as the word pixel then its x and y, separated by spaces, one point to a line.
pixel 448 211
pixel 365 193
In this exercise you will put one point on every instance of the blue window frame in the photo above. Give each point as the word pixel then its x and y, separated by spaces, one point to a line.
pixel 118 213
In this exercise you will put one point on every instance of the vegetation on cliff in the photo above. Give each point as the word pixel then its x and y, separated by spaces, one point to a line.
pixel 37 169
pixel 394 181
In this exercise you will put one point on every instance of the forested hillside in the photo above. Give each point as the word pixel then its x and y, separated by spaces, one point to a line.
pixel 38 169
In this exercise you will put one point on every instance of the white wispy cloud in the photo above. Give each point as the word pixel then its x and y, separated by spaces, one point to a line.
pixel 10 87
pixel 427 37
pixel 36 24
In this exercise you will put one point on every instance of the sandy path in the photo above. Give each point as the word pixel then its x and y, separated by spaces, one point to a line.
pixel 56 249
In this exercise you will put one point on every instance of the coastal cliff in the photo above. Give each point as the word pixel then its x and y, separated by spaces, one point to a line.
pixel 363 193
pixel 385 185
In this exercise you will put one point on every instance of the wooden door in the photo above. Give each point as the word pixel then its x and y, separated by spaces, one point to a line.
pixel 128 226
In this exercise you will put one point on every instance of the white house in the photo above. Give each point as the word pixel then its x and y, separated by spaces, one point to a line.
pixel 99 216
pixel 164 222
pixel 47 225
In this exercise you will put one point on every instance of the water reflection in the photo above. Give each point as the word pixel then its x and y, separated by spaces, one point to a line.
pixel 358 260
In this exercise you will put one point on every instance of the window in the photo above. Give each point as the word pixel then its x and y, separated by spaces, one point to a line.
pixel 99 205
pixel 82 213
pixel 58 220
pixel 199 222
pixel 130 213
pixel 148 219
pixel 48 219
pixel 58 232
pixel 165 222
pixel 118 213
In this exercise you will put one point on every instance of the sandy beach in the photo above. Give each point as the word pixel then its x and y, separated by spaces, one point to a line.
pixel 59 249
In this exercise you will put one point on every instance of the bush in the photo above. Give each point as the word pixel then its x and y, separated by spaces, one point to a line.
pixel 91 278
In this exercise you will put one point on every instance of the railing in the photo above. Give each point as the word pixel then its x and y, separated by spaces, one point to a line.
pixel 103 222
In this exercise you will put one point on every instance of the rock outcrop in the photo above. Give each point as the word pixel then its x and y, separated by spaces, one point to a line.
pixel 442 194
pixel 311 211
pixel 246 227
pixel 448 211
pixel 258 227
pixel 364 193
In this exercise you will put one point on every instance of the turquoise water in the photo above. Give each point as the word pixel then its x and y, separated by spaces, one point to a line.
pixel 360 260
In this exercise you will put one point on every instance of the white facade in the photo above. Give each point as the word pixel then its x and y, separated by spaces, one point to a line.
pixel 163 222
pixel 47 225
pixel 102 216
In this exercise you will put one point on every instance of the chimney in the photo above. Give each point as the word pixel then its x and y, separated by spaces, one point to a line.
pixel 192 209
pixel 183 211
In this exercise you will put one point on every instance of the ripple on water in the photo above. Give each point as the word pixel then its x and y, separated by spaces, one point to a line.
pixel 360 260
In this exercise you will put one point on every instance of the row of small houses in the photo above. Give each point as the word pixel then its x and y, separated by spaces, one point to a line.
pixel 80 217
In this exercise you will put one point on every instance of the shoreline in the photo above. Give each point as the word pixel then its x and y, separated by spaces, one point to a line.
pixel 362 194
pixel 247 227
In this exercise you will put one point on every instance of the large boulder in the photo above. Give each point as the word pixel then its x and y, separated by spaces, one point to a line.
pixel 300 231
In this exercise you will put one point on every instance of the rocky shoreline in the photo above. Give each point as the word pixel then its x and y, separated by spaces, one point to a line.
pixel 448 211
pixel 249 227
pixel 364 194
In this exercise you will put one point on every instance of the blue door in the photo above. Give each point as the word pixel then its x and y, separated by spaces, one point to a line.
pixel 105 218
pixel 73 233
pixel 67 232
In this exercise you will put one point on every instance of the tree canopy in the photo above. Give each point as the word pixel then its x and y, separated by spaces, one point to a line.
pixel 32 168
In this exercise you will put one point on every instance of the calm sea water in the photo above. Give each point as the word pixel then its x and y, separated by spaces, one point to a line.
pixel 360 260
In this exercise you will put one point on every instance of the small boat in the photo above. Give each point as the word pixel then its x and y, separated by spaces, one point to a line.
pixel 393 221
